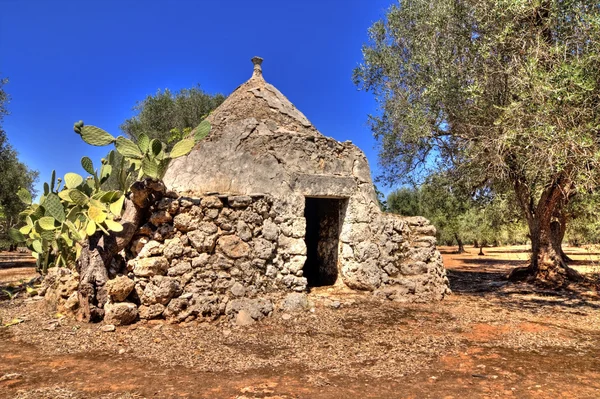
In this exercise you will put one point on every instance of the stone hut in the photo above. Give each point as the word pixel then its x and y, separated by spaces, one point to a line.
pixel 301 207
pixel 266 205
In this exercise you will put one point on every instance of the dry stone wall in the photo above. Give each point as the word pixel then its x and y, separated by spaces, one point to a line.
pixel 229 255
pixel 214 255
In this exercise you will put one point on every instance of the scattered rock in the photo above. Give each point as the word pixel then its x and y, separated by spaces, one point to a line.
pixel 244 318
pixel 295 302
pixel 108 328
pixel 238 289
pixel 121 313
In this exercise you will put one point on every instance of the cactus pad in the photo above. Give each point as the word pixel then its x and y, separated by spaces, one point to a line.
pixel 54 207
pixel 202 130
pixel 182 148
pixel 73 180
pixel 16 235
pixel 47 223
pixel 143 142
pixel 24 196
pixel 95 136
pixel 87 165
pixel 127 148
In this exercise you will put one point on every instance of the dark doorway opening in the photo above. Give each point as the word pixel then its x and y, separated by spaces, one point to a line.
pixel 323 225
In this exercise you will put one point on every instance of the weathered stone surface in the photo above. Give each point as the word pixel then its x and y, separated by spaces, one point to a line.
pixel 292 246
pixel 201 241
pixel 137 244
pixel 72 303
pixel 148 267
pixel 119 288
pixel 240 201
pixel 211 202
pixel 201 260
pixel 365 276
pixel 151 248
pixel 160 217
pixel 151 312
pixel 178 308
pixel 238 289
pixel 366 250
pixel 263 249
pixel 270 231
pixel 296 264
pixel 180 269
pixel 162 292
pixel 233 247
pixel 243 231
pixel 121 313
pixel 208 227
pixel 295 227
pixel 355 232
pixel 244 318
pixel 257 308
pixel 185 222
pixel 173 248
pixel 295 302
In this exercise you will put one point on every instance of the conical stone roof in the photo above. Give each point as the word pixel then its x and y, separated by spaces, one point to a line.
pixel 260 143
pixel 260 100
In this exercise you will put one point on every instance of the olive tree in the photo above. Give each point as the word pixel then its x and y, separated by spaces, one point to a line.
pixel 501 94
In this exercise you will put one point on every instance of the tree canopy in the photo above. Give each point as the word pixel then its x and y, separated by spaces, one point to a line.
pixel 502 94
pixel 167 114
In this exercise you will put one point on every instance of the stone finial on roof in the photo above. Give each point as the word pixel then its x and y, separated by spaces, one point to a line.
pixel 257 61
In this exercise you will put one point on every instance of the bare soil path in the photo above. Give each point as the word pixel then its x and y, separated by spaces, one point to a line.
pixel 489 339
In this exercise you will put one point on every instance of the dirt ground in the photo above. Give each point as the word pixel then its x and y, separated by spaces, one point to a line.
pixel 490 339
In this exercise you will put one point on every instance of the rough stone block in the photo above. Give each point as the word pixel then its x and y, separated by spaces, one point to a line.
pixel 201 241
pixel 121 313
pixel 233 247
pixel 148 267
pixel 119 288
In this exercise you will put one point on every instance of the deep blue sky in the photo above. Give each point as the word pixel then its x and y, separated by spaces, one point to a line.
pixel 92 60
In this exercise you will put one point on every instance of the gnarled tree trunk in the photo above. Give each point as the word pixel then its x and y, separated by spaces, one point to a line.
pixel 461 247
pixel 558 229
pixel 547 264
pixel 100 250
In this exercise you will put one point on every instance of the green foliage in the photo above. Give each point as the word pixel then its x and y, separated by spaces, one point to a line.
pixel 166 115
pixel 457 215
pixel 584 214
pixel 56 227
pixel 149 158
pixel 202 130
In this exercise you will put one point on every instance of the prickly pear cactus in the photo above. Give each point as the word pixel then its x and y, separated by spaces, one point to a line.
pixel 56 227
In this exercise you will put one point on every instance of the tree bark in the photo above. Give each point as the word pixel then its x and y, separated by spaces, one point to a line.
pixel 546 265
pixel 461 247
pixel 558 230
pixel 98 254
pixel 475 244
